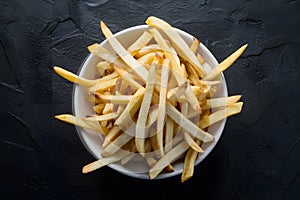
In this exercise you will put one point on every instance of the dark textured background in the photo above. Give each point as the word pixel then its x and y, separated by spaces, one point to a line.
pixel 258 154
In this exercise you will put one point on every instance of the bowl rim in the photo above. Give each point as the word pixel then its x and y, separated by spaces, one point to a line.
pixel 80 131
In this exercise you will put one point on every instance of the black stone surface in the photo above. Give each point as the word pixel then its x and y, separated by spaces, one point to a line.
pixel 256 158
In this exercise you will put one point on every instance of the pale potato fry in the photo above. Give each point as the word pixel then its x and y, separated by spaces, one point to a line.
pixel 221 101
pixel 115 99
pixel 210 82
pixel 142 41
pixel 167 159
pixel 152 116
pixel 225 64
pixel 148 49
pixel 80 122
pixel 74 78
pixel 221 114
pixel 169 134
pixel 162 105
pixel 143 113
pixel 104 117
pixel 105 161
pixel 187 137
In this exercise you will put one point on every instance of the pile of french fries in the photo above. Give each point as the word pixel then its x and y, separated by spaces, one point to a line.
pixel 154 100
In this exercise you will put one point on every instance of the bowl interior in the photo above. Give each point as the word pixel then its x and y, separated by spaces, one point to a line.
pixel 81 107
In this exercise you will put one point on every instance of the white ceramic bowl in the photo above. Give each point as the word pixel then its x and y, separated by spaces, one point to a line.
pixel 81 107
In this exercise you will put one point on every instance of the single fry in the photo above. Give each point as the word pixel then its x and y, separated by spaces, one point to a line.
pixel 115 99
pixel 104 161
pixel 162 105
pixel 187 137
pixel 104 117
pixel 225 64
pixel 143 113
pixel 169 134
pixel 142 41
pixel 221 101
pixel 167 159
pixel 189 163
pixel 221 114
pixel 74 78
pixel 80 122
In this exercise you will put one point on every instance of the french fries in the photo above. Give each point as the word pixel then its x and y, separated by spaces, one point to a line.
pixel 154 100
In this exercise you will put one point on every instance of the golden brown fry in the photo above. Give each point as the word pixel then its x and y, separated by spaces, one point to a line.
pixel 195 45
pixel 189 163
pixel 99 108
